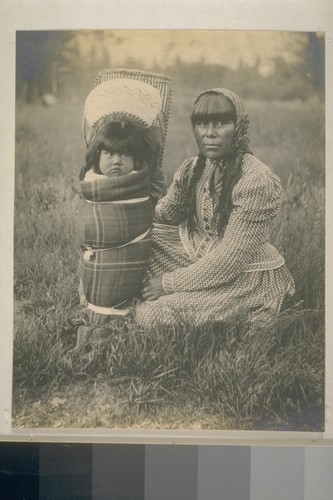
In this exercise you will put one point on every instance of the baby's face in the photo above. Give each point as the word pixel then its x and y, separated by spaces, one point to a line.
pixel 112 164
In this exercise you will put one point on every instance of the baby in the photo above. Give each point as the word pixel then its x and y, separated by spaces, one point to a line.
pixel 117 149
pixel 114 225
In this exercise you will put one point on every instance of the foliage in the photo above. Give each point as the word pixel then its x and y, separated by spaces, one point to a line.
pixel 66 63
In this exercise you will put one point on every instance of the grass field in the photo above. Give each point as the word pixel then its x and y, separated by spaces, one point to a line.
pixel 171 378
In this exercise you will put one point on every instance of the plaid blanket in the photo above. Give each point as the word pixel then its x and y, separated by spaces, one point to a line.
pixel 112 276
pixel 114 231
pixel 122 187
pixel 115 210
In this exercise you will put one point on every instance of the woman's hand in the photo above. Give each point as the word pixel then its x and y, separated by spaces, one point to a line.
pixel 153 289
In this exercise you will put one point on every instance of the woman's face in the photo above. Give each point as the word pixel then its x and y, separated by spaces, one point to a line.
pixel 113 164
pixel 214 125
pixel 214 136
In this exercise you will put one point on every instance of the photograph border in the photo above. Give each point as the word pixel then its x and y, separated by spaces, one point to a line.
pixel 260 15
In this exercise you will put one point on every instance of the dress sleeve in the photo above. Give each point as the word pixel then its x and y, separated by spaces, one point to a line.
pixel 256 201
pixel 170 209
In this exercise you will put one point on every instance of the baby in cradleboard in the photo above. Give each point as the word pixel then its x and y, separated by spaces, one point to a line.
pixel 114 227
pixel 124 129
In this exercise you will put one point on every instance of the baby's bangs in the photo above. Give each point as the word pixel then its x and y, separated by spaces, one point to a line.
pixel 118 145
pixel 212 104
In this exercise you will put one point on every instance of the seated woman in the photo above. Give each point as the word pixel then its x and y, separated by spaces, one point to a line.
pixel 212 260
pixel 114 224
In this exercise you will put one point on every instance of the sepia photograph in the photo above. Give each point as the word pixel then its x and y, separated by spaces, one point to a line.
pixel 169 230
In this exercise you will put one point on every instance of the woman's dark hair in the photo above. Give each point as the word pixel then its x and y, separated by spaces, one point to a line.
pixel 116 137
pixel 210 106
pixel 231 176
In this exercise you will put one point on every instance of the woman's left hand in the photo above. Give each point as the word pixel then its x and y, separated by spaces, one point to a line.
pixel 153 289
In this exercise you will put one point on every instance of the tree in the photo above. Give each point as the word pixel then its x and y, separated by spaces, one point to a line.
pixel 39 55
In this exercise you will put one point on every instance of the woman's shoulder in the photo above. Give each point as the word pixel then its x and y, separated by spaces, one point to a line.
pixel 189 163
pixel 185 169
pixel 255 171
pixel 257 182
pixel 253 166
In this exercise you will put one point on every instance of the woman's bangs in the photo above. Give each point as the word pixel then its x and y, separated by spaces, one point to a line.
pixel 212 105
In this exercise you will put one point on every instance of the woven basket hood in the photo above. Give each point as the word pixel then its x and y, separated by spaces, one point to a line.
pixel 122 98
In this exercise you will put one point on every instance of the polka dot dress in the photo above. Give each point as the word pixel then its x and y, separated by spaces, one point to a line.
pixel 208 277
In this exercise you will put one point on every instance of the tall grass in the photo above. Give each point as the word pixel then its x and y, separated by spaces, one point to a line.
pixel 226 372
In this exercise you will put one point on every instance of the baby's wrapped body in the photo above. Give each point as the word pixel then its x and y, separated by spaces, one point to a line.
pixel 114 230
